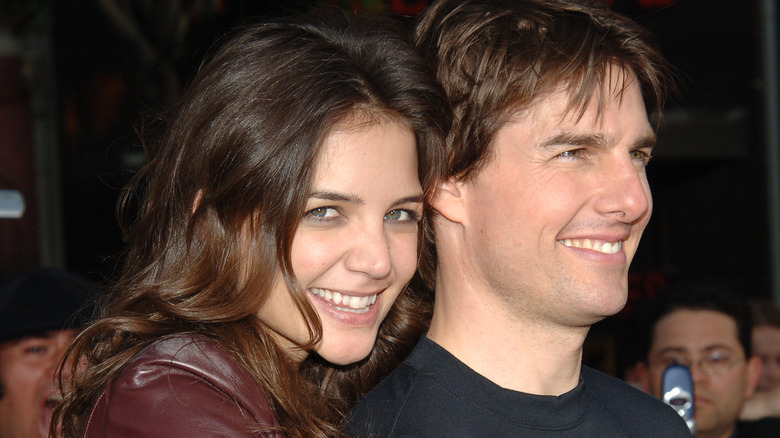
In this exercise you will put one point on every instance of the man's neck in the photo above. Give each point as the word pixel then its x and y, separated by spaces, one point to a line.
pixel 516 352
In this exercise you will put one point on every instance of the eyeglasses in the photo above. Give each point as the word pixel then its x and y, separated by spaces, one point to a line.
pixel 713 362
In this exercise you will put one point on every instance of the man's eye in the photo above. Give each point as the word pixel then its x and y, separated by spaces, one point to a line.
pixel 640 155
pixel 36 349
pixel 718 358
pixel 574 153
pixel 674 360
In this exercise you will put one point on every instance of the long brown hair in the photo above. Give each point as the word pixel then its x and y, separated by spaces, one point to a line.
pixel 236 160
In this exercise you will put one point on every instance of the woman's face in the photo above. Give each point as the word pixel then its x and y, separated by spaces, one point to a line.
pixel 356 246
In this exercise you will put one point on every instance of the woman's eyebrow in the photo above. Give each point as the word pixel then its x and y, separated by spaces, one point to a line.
pixel 335 196
pixel 354 199
pixel 409 199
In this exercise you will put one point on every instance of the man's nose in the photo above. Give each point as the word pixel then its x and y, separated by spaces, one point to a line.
pixel 625 193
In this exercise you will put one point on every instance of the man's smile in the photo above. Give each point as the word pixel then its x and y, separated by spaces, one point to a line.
pixel 595 245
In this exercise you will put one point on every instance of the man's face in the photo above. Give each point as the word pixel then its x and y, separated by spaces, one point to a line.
pixel 554 219
pixel 27 368
pixel 766 345
pixel 692 337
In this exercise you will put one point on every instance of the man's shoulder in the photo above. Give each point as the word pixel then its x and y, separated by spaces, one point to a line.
pixel 410 394
pixel 610 390
pixel 433 394
pixel 378 411
pixel 620 402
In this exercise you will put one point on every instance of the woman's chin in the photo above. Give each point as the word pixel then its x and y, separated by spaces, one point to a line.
pixel 344 354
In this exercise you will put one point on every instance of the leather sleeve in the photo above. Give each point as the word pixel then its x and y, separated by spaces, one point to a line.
pixel 168 398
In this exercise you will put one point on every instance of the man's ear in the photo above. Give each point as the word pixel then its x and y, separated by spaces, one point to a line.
pixel 449 200
pixel 754 366
pixel 643 377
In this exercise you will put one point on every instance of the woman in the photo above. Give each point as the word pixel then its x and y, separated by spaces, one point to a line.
pixel 278 221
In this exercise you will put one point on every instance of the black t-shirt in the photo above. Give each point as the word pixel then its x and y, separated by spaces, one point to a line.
pixel 765 428
pixel 433 394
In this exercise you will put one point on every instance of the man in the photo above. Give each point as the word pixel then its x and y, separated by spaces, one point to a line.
pixel 536 223
pixel 39 314
pixel 766 342
pixel 707 329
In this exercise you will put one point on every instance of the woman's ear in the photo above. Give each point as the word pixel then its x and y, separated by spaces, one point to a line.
pixel 449 200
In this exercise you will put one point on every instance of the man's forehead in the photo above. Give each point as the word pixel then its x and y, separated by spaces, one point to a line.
pixel 695 329
pixel 49 334
pixel 578 92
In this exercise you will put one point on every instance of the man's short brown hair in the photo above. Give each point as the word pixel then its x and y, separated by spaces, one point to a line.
pixel 495 58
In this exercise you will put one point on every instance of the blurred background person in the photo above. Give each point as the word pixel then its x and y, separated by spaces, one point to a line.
pixel 766 345
pixel 40 313
pixel 706 328
pixel 766 342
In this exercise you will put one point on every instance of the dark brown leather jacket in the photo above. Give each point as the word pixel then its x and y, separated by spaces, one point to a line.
pixel 180 386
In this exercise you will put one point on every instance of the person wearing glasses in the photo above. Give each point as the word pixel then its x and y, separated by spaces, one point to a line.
pixel 706 328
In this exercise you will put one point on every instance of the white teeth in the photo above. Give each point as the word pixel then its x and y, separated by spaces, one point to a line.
pixel 347 303
pixel 595 245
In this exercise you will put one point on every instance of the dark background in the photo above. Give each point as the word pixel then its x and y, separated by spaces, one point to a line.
pixel 110 62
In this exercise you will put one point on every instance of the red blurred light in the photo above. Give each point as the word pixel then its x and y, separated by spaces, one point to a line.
pixel 408 7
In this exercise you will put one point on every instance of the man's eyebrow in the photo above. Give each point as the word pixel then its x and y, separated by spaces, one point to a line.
pixel 593 140
pixel 704 349
pixel 648 141
pixel 716 347
pixel 570 138
pixel 673 350
pixel 36 336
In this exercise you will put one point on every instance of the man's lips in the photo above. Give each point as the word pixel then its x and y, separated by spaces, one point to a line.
pixel 46 413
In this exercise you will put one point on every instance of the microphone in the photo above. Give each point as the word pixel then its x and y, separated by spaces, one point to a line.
pixel 677 392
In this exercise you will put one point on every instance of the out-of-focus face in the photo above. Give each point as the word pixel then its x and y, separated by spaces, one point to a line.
pixel 766 345
pixel 356 247
pixel 553 220
pixel 27 369
pixel 692 337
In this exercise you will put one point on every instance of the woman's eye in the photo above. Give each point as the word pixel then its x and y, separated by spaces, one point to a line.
pixel 323 212
pixel 401 215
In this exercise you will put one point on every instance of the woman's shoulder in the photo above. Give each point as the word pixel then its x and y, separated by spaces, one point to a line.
pixel 191 353
pixel 180 383
pixel 194 357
